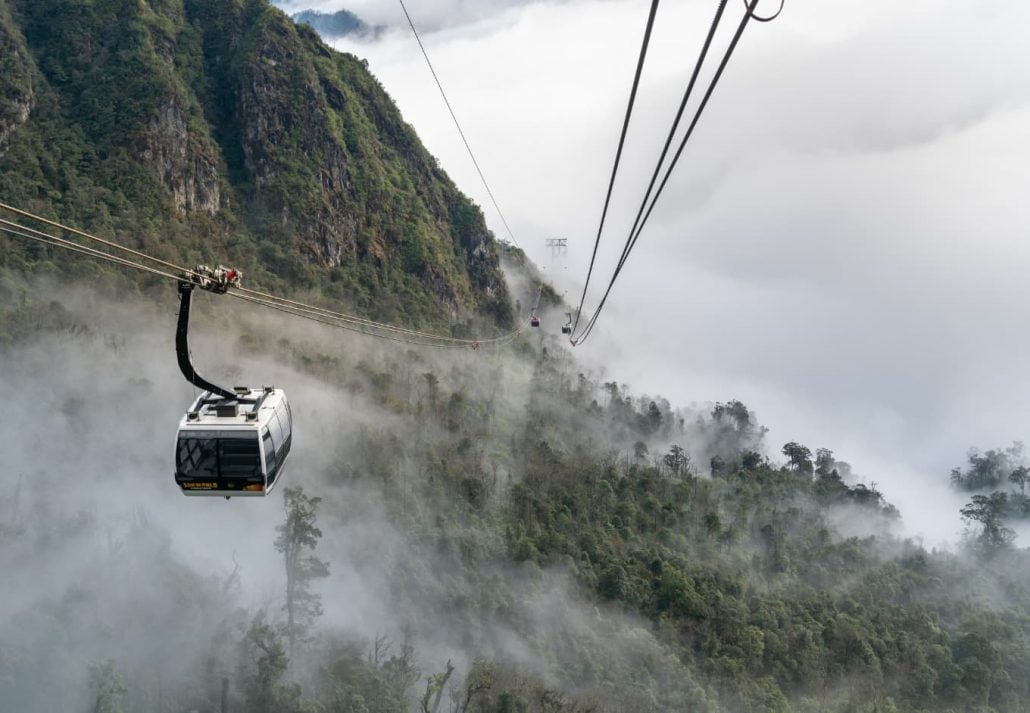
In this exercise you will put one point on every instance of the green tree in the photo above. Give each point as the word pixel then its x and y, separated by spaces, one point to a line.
pixel 298 537
pixel 824 461
pixel 1020 476
pixel 432 388
pixel 798 457
pixel 654 417
pixel 734 413
pixel 262 667
pixel 107 682
pixel 988 470
pixel 435 686
pixel 989 512
pixel 677 460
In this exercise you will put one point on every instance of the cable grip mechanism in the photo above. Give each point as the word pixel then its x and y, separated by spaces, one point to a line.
pixel 218 279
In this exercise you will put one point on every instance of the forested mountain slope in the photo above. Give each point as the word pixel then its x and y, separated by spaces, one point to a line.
pixel 220 131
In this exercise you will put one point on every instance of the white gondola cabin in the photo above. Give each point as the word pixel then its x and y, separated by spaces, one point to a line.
pixel 234 447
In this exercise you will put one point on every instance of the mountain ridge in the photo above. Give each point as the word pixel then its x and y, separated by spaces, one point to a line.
pixel 341 23
pixel 223 132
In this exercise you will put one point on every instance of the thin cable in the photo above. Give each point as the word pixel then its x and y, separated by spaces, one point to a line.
pixel 631 242
pixel 185 272
pixel 665 149
pixel 327 317
pixel 331 322
pixel 359 330
pixel 298 309
pixel 58 242
pixel 618 152
pixel 108 243
pixel 41 237
pixel 679 115
pixel 458 125
pixel 356 320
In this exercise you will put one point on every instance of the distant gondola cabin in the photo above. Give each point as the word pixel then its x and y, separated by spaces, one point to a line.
pixel 234 447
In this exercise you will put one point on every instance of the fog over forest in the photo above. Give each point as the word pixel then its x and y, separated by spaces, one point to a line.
pixel 112 562
pixel 488 518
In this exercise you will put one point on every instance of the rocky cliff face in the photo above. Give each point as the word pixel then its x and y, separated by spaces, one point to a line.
pixel 181 165
pixel 17 98
pixel 220 123
pixel 282 112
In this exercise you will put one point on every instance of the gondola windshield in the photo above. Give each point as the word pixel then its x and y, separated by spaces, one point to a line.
pixel 213 454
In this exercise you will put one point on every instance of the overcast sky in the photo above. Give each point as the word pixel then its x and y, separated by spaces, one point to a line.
pixel 844 246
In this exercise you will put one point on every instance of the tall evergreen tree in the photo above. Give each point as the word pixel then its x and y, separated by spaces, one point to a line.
pixel 298 537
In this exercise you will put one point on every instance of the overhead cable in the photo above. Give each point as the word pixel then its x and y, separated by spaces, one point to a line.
pixel 457 124
pixel 179 273
pixel 632 239
pixel 679 115
pixel 668 142
pixel 94 238
pixel 618 151
pixel 370 330
pixel 41 237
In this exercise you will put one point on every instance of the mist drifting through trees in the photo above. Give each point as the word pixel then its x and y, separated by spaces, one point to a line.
pixel 496 530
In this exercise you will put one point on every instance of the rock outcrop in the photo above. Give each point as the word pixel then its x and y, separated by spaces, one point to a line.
pixel 17 98
pixel 190 176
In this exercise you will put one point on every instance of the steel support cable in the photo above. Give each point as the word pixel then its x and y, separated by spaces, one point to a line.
pixel 676 122
pixel 365 327
pixel 632 240
pixel 361 321
pixel 618 152
pixel 458 125
pixel 329 321
pixel 38 236
pixel 323 319
pixel 108 243
pixel 188 272
pixel 668 141
pixel 41 237
pixel 86 251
